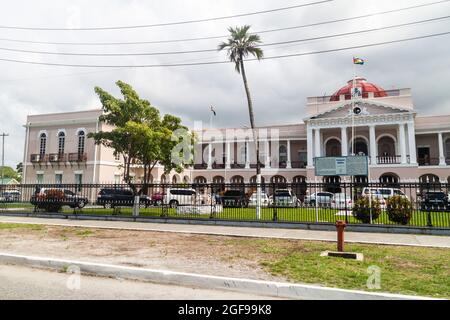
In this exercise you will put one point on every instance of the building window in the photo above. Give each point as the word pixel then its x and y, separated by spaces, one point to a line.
pixel 117 157
pixel 78 178
pixel 81 139
pixel 61 142
pixel 117 178
pixel 42 144
pixel 40 178
pixel 58 178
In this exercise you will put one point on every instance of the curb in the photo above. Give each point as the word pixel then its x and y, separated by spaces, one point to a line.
pixel 212 233
pixel 266 288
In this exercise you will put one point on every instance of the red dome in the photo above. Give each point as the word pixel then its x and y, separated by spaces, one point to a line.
pixel 367 87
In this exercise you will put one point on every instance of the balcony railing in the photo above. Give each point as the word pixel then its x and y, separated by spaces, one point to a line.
pixel 298 164
pixel 389 159
pixel 37 158
pixel 77 157
pixel 56 157
pixel 423 162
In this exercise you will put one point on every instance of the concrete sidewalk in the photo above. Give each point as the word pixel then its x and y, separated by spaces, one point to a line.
pixel 295 234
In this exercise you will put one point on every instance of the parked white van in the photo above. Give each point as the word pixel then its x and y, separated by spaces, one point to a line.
pixel 175 197
pixel 385 192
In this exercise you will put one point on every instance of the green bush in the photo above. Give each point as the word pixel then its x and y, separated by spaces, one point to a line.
pixel 51 200
pixel 399 209
pixel 362 209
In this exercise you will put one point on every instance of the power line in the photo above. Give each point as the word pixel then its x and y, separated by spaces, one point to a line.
pixel 224 36
pixel 223 62
pixel 169 23
pixel 215 50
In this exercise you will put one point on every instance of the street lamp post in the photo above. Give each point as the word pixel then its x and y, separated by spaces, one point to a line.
pixel 3 153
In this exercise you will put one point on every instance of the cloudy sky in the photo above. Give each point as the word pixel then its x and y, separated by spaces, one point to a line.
pixel 279 86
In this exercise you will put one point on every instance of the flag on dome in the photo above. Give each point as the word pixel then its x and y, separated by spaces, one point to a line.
pixel 358 61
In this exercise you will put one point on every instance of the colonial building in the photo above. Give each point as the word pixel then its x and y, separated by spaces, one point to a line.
pixel 57 150
pixel 381 124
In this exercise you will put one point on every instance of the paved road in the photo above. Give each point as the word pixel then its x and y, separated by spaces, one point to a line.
pixel 25 283
pixel 357 237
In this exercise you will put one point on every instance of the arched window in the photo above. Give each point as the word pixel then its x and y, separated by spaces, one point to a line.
pixel 200 180
pixel 299 187
pixel 390 180
pixel 429 182
pixel 81 140
pixel 42 143
pixel 332 184
pixel 61 142
pixel 333 148
pixel 218 184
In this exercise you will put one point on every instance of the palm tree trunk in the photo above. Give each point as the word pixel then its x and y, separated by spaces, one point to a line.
pixel 256 139
pixel 251 114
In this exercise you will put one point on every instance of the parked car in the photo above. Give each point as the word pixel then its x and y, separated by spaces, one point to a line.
pixel 11 195
pixel 284 198
pixel 385 192
pixel 234 199
pixel 323 199
pixel 157 198
pixel 341 201
pixel 178 196
pixel 57 198
pixel 253 198
pixel 434 200
pixel 118 197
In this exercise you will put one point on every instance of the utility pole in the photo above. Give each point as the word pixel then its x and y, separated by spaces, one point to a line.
pixel 3 135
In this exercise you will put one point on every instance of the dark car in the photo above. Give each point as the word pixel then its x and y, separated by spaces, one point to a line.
pixel 234 199
pixel 110 198
pixel 435 200
pixel 56 198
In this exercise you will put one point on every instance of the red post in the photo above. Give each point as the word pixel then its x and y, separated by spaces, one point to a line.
pixel 340 226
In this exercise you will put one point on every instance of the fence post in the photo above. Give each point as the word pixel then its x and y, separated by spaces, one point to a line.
pixel 136 206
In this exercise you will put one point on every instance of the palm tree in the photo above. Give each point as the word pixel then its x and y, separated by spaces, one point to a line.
pixel 239 46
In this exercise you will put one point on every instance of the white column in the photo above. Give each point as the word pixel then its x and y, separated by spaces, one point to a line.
pixel 402 142
pixel 441 149
pixel 288 162
pixel 210 156
pixel 412 143
pixel 267 154
pixel 247 155
pixel 344 142
pixel 317 142
pixel 309 145
pixel 373 145
pixel 227 155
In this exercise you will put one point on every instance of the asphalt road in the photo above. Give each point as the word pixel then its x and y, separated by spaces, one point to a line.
pixel 18 282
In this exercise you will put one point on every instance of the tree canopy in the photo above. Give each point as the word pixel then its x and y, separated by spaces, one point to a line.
pixel 141 135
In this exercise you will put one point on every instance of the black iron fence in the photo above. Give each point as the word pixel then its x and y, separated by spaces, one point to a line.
pixel 411 204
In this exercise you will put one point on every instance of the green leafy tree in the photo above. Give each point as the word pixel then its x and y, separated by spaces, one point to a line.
pixel 9 173
pixel 140 135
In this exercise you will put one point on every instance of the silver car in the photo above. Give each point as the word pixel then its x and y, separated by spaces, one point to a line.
pixel 322 199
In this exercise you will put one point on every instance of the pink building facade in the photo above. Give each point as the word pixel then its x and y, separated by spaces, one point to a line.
pixel 381 124
pixel 401 144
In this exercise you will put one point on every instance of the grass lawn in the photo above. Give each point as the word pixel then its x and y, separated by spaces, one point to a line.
pixel 301 214
pixel 403 270
pixel 419 218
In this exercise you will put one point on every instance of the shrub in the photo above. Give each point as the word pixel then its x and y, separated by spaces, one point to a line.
pixel 399 209
pixel 362 209
pixel 51 200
